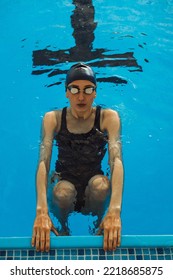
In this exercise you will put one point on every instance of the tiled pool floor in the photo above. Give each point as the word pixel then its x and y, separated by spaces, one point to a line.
pixel 90 254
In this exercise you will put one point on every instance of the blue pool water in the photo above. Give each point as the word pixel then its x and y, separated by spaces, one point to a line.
pixel 130 46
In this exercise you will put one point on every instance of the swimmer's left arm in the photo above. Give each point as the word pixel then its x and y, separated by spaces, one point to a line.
pixel 111 224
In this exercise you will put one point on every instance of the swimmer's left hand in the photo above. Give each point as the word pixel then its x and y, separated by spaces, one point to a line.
pixel 111 228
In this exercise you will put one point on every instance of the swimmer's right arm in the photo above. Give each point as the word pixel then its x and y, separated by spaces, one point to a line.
pixel 43 224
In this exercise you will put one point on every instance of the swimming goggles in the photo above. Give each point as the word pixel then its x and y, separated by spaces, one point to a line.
pixel 75 90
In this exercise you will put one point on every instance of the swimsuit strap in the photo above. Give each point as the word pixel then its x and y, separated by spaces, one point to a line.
pixel 63 119
pixel 97 117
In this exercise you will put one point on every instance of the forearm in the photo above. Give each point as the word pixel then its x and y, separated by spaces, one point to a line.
pixel 117 187
pixel 41 182
pixel 43 168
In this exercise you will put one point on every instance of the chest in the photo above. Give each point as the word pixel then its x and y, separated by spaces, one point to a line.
pixel 78 126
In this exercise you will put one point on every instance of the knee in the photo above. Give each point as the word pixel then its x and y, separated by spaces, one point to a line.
pixel 64 194
pixel 99 188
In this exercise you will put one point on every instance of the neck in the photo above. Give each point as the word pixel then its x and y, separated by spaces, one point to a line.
pixel 81 115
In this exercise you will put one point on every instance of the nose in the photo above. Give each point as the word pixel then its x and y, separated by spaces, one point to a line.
pixel 81 96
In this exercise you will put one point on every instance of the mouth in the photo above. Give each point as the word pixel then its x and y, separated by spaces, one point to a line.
pixel 81 105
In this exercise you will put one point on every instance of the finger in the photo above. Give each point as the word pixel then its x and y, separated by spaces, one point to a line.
pixel 37 243
pixel 119 237
pixel 110 240
pixel 42 241
pixel 105 240
pixel 47 246
pixel 33 238
pixel 53 229
pixel 115 238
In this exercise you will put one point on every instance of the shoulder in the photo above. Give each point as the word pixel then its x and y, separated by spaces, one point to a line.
pixel 110 119
pixel 52 120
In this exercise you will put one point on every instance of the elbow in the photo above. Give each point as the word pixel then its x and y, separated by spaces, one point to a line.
pixel 117 167
pixel 117 161
pixel 43 167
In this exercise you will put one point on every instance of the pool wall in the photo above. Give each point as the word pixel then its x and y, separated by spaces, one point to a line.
pixel 89 248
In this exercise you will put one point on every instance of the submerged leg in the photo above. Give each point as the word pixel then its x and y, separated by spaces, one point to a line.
pixel 64 196
pixel 96 195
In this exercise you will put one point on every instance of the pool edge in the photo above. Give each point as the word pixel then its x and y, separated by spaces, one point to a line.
pixel 127 241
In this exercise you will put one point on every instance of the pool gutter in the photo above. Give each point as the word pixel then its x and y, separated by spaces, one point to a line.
pixel 127 241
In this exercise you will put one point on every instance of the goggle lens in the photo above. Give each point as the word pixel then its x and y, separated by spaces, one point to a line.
pixel 75 90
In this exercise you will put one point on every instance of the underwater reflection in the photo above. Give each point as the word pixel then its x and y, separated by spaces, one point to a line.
pixel 83 24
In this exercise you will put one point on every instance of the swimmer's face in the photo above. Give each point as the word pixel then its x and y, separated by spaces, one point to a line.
pixel 81 94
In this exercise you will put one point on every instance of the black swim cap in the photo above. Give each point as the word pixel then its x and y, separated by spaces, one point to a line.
pixel 80 71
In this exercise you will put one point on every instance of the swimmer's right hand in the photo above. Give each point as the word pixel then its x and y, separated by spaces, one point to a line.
pixel 41 232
